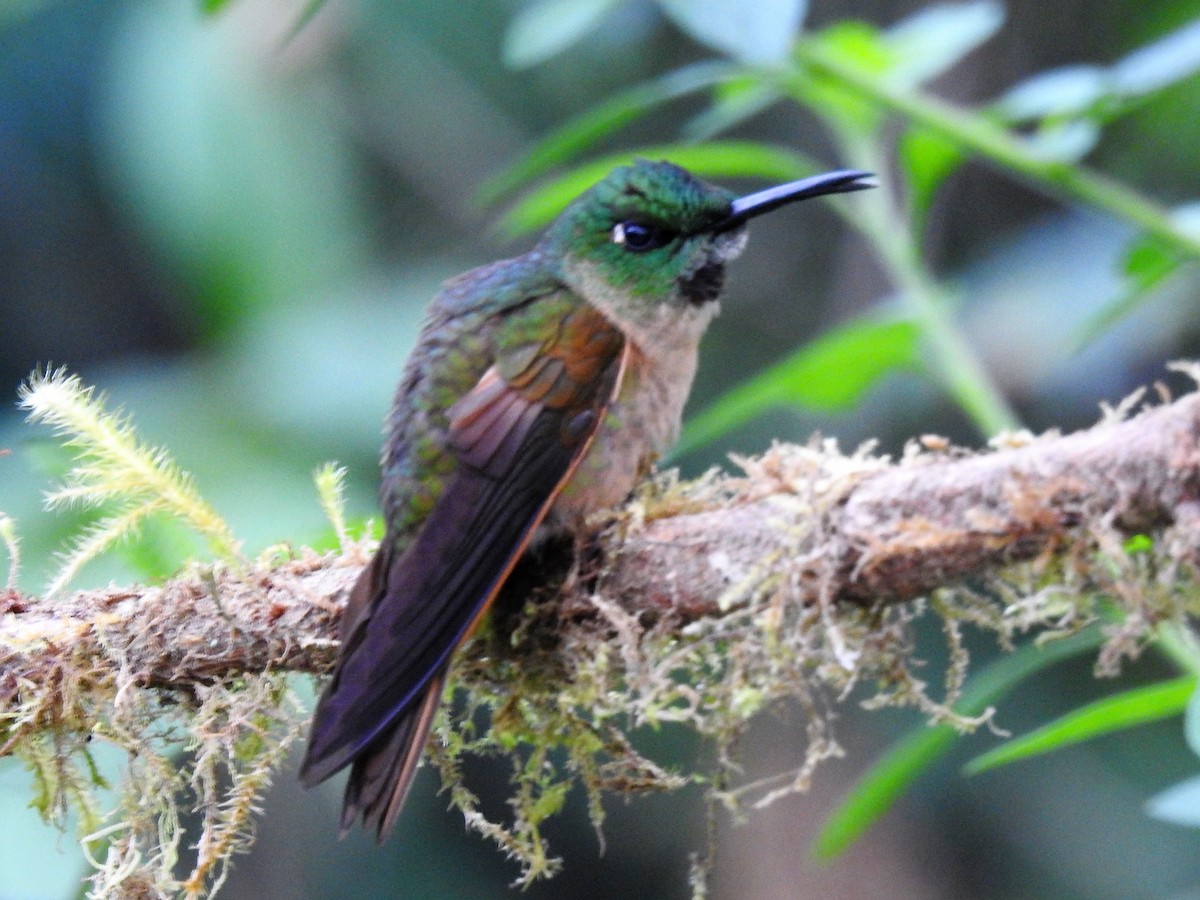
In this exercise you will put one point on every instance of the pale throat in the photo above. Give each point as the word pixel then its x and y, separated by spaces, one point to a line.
pixel 658 327
pixel 644 421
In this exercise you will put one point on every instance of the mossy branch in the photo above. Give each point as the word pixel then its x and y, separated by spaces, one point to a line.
pixel 698 603
pixel 883 531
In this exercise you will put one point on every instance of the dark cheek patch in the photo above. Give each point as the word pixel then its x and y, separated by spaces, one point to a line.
pixel 704 285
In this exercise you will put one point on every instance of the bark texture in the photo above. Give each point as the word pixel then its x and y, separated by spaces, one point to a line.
pixel 851 528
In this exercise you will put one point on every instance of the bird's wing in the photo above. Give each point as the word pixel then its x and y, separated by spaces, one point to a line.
pixel 517 436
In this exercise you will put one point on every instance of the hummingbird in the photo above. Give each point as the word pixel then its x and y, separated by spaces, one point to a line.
pixel 540 391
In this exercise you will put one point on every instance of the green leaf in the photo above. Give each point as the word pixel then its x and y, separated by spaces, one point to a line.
pixel 915 50
pixel 756 33
pixel 728 159
pixel 1125 710
pixel 1066 141
pixel 936 38
pixel 735 102
pixel 1162 63
pixel 879 788
pixel 1063 91
pixel 209 7
pixel 1147 260
pixel 855 44
pixel 927 158
pixel 1138 543
pixel 1179 804
pixel 1079 90
pixel 545 28
pixel 1187 217
pixel 585 130
pixel 830 373
pixel 1148 263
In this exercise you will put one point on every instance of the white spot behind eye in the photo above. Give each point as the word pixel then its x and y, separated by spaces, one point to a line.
pixel 618 233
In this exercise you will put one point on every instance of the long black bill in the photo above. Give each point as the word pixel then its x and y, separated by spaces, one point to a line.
pixel 840 182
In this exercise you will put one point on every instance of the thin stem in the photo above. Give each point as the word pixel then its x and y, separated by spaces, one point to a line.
pixel 929 303
pixel 1064 180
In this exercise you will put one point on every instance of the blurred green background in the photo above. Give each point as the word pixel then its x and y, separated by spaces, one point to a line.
pixel 233 230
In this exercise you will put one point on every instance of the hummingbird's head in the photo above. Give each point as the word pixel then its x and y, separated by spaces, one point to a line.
pixel 651 239
pixel 646 232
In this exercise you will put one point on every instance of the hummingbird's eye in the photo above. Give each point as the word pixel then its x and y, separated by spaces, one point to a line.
pixel 638 237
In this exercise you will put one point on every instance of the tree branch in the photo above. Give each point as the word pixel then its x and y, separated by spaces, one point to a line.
pixel 892 532
pixel 855 528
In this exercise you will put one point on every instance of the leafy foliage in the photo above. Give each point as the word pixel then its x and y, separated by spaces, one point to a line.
pixel 832 373
pixel 757 33
pixel 544 29
pixel 888 779
pixel 1128 709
